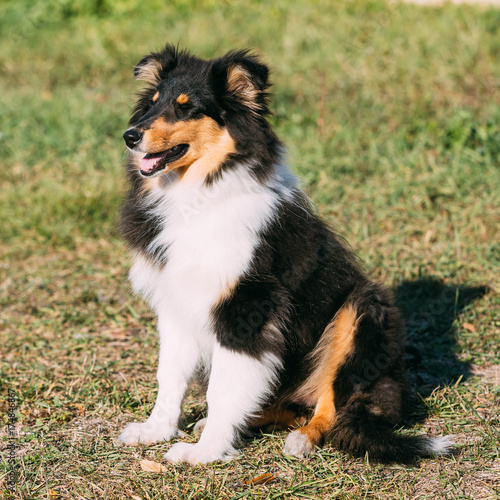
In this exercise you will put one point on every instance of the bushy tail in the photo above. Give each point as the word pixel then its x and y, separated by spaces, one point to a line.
pixel 359 432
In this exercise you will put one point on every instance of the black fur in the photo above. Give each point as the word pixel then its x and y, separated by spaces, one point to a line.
pixel 309 274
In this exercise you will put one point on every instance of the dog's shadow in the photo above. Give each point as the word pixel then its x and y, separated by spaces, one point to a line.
pixel 430 310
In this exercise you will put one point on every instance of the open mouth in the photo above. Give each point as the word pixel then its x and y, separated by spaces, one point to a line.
pixel 156 162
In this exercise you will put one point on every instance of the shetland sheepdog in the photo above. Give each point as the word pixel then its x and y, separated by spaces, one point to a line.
pixel 251 289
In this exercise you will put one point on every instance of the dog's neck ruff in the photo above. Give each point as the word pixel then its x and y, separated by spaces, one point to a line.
pixel 207 237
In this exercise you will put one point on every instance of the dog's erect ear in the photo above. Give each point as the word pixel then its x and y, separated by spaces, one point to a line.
pixel 244 80
pixel 148 69
pixel 156 65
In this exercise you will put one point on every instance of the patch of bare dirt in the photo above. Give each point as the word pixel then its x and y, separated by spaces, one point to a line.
pixel 489 374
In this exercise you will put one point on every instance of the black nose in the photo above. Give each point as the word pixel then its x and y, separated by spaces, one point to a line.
pixel 132 137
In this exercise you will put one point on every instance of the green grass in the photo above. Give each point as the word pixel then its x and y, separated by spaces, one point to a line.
pixel 391 114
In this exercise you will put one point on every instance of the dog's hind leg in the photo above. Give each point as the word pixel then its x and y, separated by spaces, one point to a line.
pixel 304 440
pixel 331 352
pixel 179 357
pixel 237 389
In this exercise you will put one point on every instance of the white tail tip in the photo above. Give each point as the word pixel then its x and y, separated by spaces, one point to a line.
pixel 443 445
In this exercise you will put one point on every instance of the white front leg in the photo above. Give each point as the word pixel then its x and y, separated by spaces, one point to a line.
pixel 179 357
pixel 238 386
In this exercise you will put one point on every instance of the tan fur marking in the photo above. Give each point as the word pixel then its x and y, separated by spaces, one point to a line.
pixel 239 82
pixel 331 352
pixel 209 144
pixel 279 417
pixel 155 97
pixel 322 421
pixel 149 72
pixel 226 291
pixel 182 99
pixel 215 150
pixel 332 349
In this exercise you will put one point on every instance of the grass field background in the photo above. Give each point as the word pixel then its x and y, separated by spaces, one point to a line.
pixel 391 115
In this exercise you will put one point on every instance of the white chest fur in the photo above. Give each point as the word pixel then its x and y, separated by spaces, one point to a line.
pixel 208 236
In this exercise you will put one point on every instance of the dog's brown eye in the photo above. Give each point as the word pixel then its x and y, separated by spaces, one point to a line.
pixel 156 96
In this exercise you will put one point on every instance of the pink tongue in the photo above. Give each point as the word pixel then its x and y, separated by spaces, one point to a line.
pixel 147 164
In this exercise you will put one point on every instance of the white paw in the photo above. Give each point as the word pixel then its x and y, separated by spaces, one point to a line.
pixel 298 445
pixel 196 454
pixel 198 428
pixel 146 433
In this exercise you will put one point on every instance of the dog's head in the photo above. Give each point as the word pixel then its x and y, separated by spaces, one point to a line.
pixel 195 111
